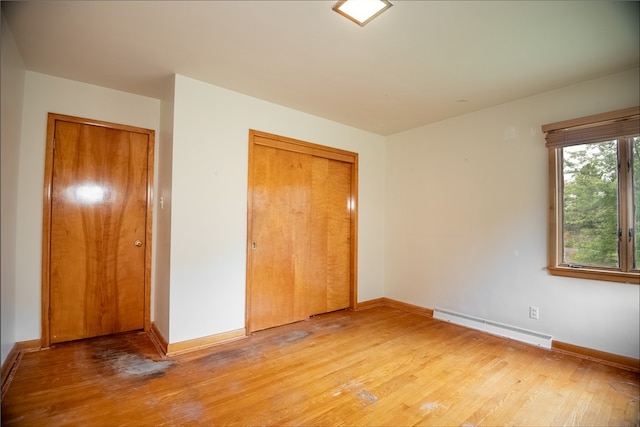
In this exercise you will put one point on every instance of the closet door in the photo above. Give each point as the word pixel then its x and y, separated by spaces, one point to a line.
pixel 301 251
pixel 330 234
pixel 279 249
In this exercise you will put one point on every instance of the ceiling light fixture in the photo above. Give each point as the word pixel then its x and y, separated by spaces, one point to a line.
pixel 361 11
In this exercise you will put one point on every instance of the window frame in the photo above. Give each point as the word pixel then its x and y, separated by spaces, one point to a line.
pixel 624 124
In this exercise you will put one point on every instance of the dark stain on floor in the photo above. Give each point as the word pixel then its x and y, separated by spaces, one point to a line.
pixel 225 357
pixel 292 337
pixel 125 361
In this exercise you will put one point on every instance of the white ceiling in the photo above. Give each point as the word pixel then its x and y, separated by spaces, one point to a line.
pixel 417 63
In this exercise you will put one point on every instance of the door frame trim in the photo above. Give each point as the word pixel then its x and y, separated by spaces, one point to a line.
pixel 257 137
pixel 52 118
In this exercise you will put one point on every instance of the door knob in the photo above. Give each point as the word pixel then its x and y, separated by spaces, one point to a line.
pixel 138 243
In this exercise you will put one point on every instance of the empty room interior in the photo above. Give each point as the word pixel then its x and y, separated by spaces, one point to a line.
pixel 286 213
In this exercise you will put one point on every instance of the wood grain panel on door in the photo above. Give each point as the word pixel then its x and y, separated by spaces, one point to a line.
pixel 280 222
pixel 301 230
pixel 98 231
pixel 330 233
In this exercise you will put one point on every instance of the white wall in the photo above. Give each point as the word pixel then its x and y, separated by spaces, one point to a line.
pixel 467 220
pixel 162 220
pixel 12 85
pixel 44 94
pixel 209 201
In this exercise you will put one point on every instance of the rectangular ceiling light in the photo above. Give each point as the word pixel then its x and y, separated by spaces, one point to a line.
pixel 361 11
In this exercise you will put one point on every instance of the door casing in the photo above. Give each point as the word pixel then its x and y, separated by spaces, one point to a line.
pixel 47 210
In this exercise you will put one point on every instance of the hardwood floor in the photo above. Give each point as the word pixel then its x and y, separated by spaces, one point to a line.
pixel 380 366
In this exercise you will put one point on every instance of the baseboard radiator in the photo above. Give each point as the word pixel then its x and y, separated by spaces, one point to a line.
pixel 495 328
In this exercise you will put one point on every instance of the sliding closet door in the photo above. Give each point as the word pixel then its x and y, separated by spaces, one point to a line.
pixel 301 230
pixel 330 236
pixel 280 214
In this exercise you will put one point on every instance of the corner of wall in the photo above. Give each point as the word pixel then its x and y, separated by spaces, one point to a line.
pixel 162 220
pixel 12 76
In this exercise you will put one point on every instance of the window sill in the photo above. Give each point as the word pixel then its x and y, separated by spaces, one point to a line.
pixel 587 273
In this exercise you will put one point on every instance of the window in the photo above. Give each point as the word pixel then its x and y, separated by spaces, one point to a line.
pixel 594 196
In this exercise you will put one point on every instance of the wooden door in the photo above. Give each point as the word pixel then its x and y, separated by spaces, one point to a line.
pixel 281 217
pixel 330 233
pixel 99 233
pixel 301 255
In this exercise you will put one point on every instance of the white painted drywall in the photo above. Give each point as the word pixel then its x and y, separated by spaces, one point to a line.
pixel 209 201
pixel 44 94
pixel 467 220
pixel 162 235
pixel 12 74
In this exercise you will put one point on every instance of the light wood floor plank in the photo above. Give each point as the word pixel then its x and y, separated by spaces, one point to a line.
pixel 378 367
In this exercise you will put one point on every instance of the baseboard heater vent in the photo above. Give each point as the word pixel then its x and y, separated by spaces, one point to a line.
pixel 495 328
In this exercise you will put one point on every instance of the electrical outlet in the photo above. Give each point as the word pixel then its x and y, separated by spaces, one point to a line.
pixel 534 312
